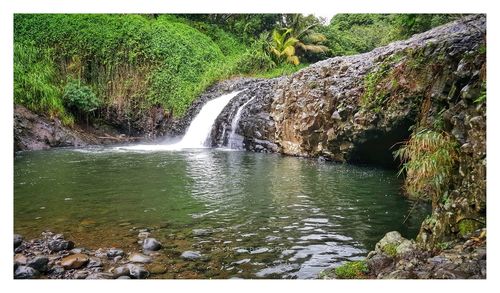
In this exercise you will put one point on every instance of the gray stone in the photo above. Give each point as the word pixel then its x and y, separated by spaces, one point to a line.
pixel 138 272
pixel 100 276
pixel 124 277
pixel 18 240
pixel 20 259
pixel 379 262
pixel 121 271
pixel 114 252
pixel 151 244
pixel 81 275
pixel 143 234
pixel 94 262
pixel 39 263
pixel 140 258
pixel 190 255
pixel 201 232
pixel 25 272
pixel 57 245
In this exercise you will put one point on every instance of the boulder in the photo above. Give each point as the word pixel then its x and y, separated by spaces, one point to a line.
pixel 74 261
pixel 151 244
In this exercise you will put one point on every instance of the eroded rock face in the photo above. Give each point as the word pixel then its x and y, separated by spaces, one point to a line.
pixel 357 108
pixel 33 132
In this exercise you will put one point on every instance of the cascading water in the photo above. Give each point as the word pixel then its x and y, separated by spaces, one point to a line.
pixel 235 141
pixel 199 130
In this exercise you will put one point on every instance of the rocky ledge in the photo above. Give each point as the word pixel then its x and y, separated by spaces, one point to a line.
pixel 396 257
pixel 36 132
pixel 54 257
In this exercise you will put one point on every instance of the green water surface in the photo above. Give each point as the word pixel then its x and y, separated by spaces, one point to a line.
pixel 266 215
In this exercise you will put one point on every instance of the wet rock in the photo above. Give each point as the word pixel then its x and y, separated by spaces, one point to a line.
pixel 25 272
pixel 57 245
pixel 39 263
pixel 100 276
pixel 18 240
pixel 81 275
pixel 121 271
pixel 114 252
pixel 74 261
pixel 20 259
pixel 379 262
pixel 94 262
pixel 143 234
pixel 137 272
pixel 201 232
pixel 140 258
pixel 190 255
pixel 151 244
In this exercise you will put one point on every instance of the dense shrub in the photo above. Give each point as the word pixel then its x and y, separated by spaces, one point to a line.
pixel 80 98
pixel 35 82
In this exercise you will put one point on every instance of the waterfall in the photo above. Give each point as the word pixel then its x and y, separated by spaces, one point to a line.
pixel 235 141
pixel 198 131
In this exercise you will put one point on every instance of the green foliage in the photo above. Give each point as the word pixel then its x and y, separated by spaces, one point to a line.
pixel 256 59
pixel 429 157
pixel 352 270
pixel 443 245
pixel 35 82
pixel 409 24
pixel 349 34
pixel 283 47
pixel 80 98
pixel 482 95
pixel 467 226
pixel 373 96
pixel 390 249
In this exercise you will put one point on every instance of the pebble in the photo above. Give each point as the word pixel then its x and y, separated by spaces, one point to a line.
pixel 190 255
pixel 94 262
pixel 100 276
pixel 114 252
pixel 20 259
pixel 25 272
pixel 151 244
pixel 81 275
pixel 74 261
pixel 201 232
pixel 39 263
pixel 121 271
pixel 157 269
pixel 18 240
pixel 57 245
pixel 138 272
pixel 140 258
pixel 143 234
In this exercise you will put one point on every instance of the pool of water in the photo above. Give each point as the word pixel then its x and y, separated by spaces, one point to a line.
pixel 262 215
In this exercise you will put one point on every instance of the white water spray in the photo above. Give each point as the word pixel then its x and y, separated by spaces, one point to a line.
pixel 199 130
pixel 234 140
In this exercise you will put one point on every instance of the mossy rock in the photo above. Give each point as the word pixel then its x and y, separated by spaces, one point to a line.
pixel 352 270
pixel 467 226
pixel 390 249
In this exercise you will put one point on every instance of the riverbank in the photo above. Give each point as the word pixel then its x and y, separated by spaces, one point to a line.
pixel 51 256
pixel 396 257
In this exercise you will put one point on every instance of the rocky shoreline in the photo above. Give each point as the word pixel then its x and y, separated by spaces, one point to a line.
pixel 396 257
pixel 53 257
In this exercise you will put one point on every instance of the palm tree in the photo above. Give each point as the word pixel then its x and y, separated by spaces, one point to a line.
pixel 308 40
pixel 283 46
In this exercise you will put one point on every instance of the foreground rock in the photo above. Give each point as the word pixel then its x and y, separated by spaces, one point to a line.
pixel 51 256
pixel 395 257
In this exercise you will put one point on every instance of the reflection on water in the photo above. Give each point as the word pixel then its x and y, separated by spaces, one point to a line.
pixel 255 215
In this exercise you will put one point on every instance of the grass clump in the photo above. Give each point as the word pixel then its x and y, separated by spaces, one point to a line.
pixel 429 157
pixel 352 270
pixel 390 250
